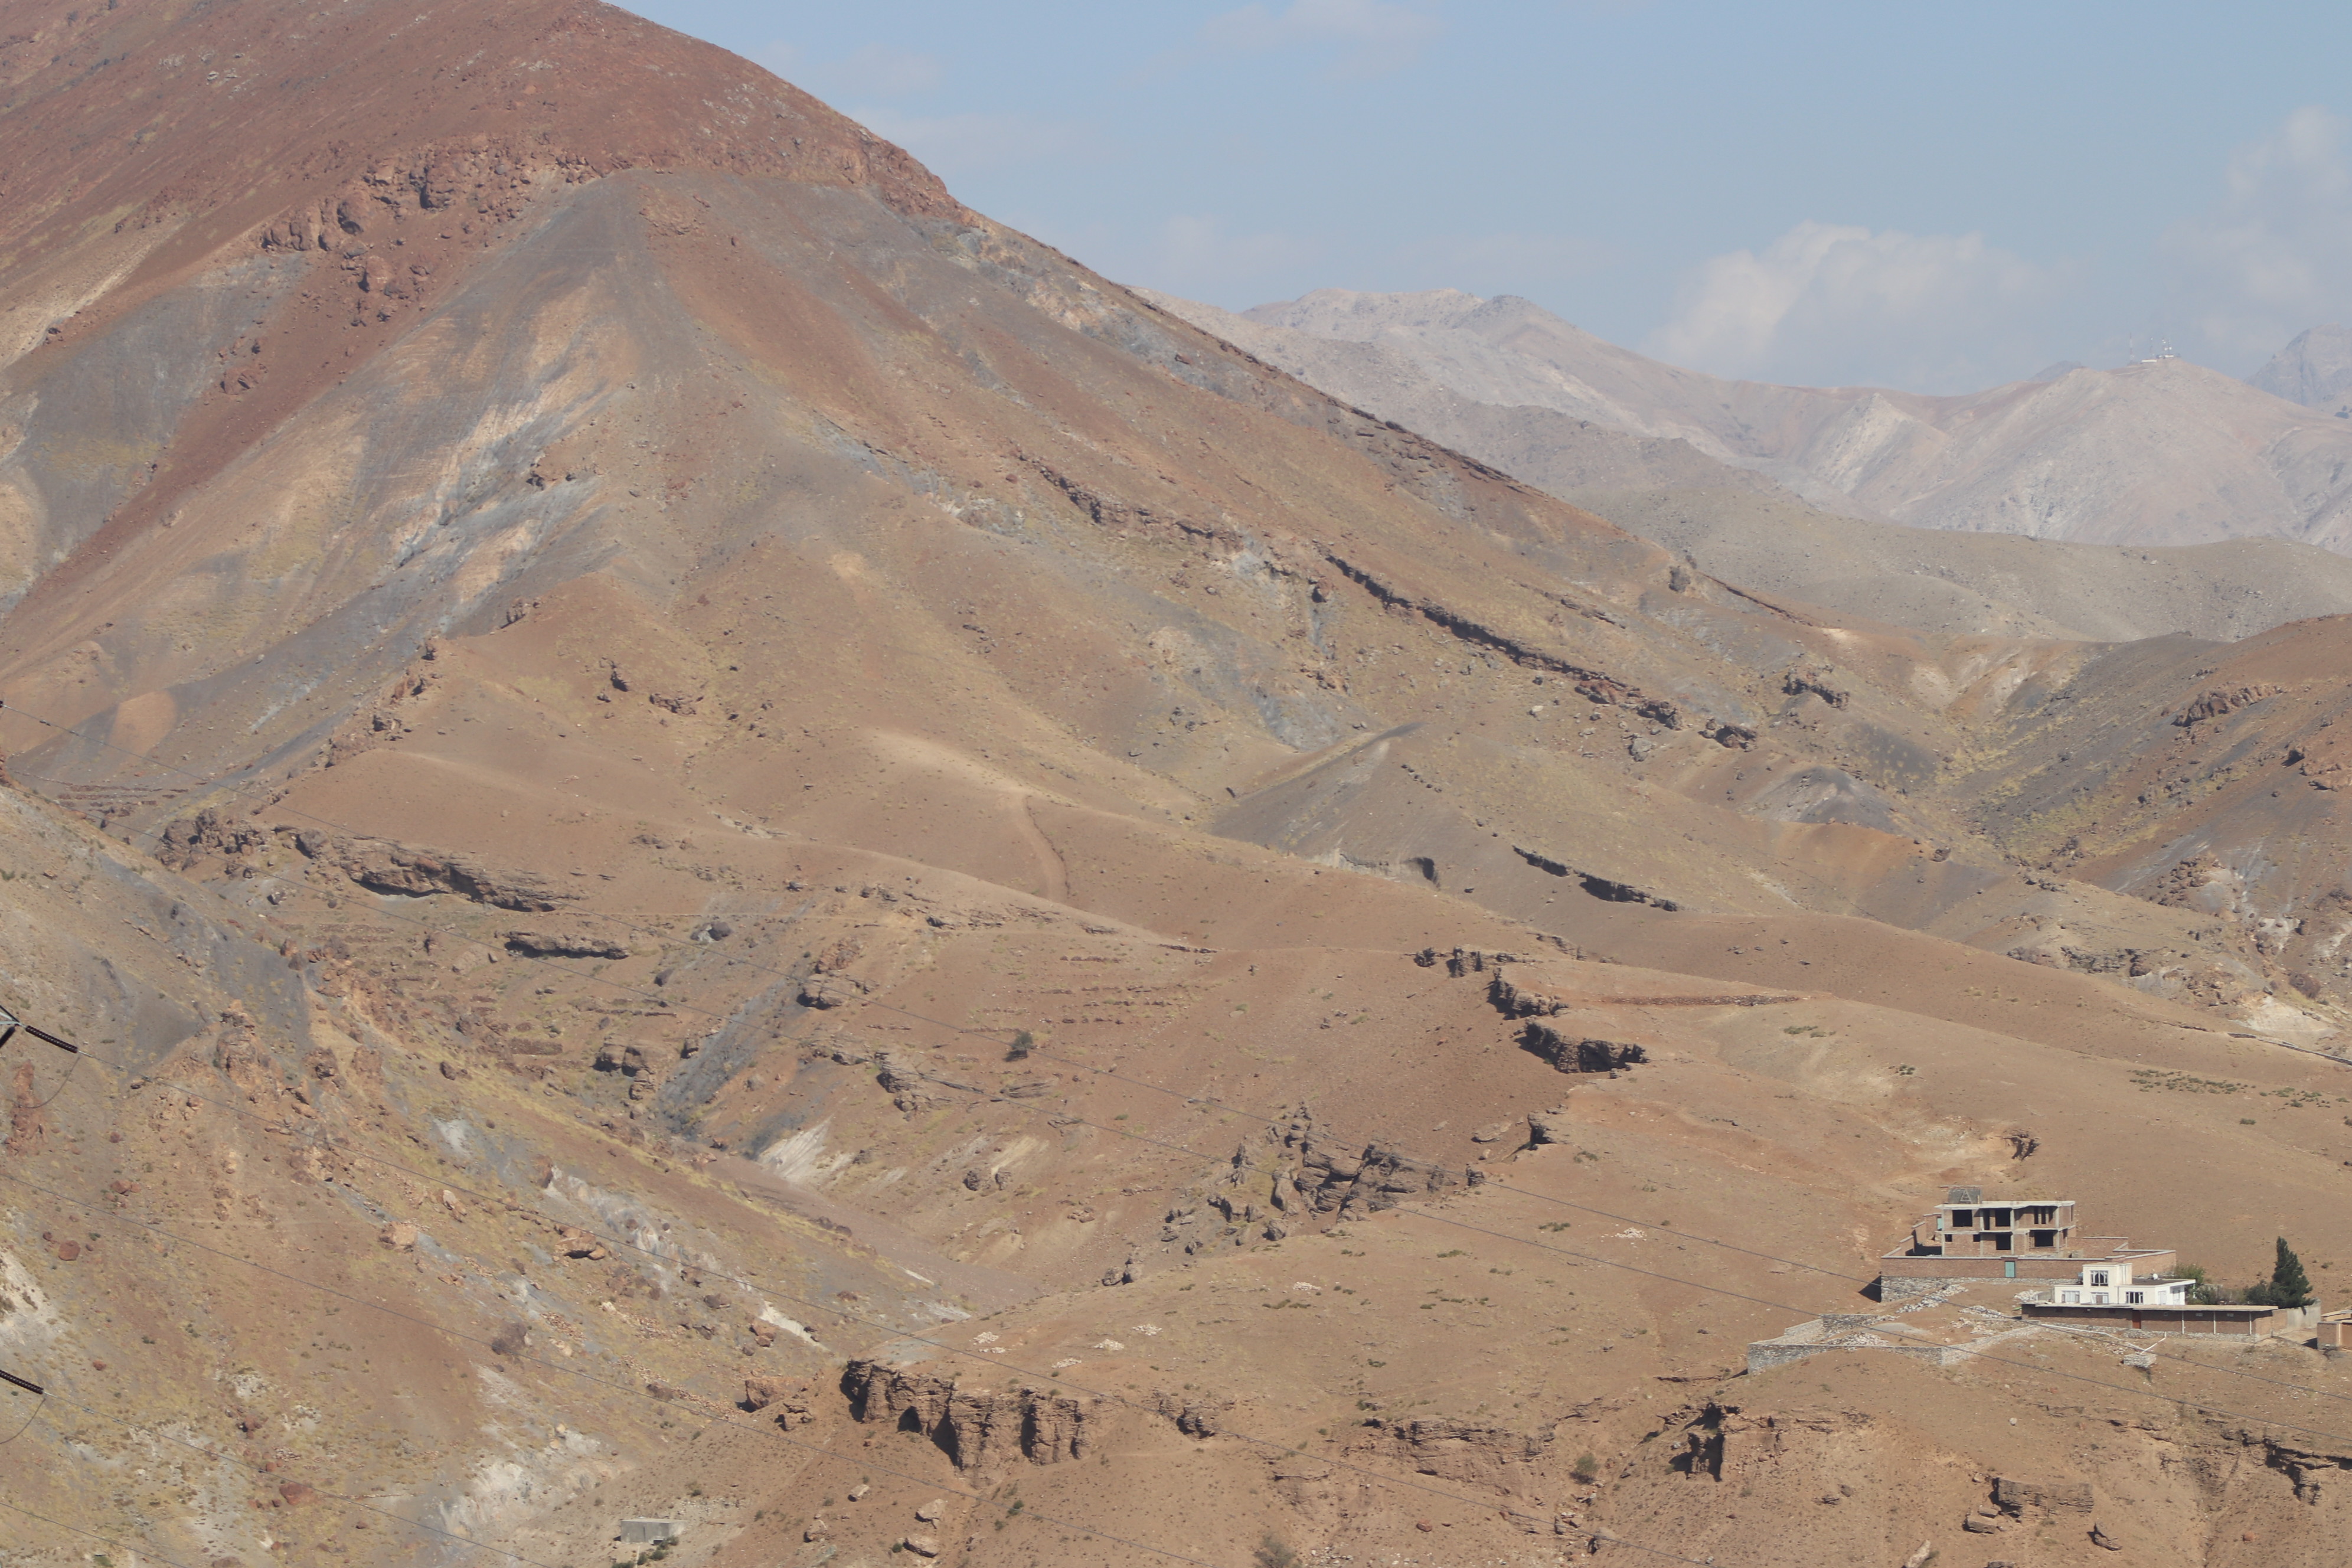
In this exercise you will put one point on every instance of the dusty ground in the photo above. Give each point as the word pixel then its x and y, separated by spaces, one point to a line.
pixel 741 796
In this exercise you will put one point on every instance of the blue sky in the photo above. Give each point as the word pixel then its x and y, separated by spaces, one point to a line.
pixel 1930 197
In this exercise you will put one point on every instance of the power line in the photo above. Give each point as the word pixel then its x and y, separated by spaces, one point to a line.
pixel 1253 1116
pixel 787 974
pixel 1442 1219
pixel 1483 1230
pixel 15 1027
pixel 891 1332
pixel 40 1398
pixel 59 1524
pixel 557 1366
pixel 218 1454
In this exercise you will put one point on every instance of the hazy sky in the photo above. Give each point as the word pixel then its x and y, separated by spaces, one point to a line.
pixel 1931 196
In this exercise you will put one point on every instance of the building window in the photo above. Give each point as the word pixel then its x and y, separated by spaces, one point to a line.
pixel 2099 1276
pixel 2071 1298
pixel 2045 1239
pixel 2133 1297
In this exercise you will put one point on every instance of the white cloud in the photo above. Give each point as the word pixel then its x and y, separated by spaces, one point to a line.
pixel 958 144
pixel 1833 305
pixel 1372 36
pixel 2275 255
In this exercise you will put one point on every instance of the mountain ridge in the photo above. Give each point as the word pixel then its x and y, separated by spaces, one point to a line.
pixel 2184 454
pixel 754 853
pixel 1736 524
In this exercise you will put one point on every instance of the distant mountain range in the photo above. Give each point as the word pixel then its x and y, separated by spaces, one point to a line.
pixel 2164 452
pixel 1670 455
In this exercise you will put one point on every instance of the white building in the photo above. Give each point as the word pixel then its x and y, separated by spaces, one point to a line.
pixel 2112 1284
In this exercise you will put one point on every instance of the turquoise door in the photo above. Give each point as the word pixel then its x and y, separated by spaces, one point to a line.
pixel 2008 1268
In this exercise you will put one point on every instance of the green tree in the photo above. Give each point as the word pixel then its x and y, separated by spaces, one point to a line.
pixel 2203 1292
pixel 2288 1285
pixel 1023 1044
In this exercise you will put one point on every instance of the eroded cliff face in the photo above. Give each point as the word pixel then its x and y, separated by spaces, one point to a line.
pixel 975 1430
pixel 2138 1486
pixel 676 765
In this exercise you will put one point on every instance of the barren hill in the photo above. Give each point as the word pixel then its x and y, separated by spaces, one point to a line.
pixel 732 845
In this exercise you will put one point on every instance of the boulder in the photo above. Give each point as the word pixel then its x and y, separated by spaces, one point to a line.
pixel 578 1243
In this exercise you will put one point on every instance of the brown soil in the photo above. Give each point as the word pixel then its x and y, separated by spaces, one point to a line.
pixel 753 790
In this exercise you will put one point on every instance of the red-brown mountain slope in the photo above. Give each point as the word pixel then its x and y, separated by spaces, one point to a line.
pixel 709 767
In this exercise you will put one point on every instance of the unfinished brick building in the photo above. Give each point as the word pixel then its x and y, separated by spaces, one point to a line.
pixel 1970 1237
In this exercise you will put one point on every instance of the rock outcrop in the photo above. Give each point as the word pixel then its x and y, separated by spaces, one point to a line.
pixel 579 944
pixel 386 866
pixel 1453 1450
pixel 1571 1050
pixel 975 1430
pixel 788 1399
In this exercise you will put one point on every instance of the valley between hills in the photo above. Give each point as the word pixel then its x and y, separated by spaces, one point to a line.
pixel 728 845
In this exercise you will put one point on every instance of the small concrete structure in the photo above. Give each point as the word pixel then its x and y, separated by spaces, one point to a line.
pixel 2334 1331
pixel 647 1531
pixel 1939 1341
pixel 1969 1238
pixel 2110 1285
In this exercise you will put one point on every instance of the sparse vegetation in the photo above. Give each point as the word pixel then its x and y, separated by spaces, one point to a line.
pixel 1273 1552
pixel 2183 1083
pixel 2288 1285
pixel 1023 1044
pixel 1588 1467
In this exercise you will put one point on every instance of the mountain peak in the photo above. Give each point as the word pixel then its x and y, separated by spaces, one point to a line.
pixel 132 124
pixel 2314 369
pixel 1353 313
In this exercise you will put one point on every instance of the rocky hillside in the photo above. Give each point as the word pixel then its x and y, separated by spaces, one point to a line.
pixel 732 845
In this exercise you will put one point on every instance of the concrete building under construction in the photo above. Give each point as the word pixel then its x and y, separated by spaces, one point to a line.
pixel 1970 1237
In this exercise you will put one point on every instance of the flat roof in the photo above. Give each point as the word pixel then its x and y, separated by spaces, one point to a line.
pixel 2224 1307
